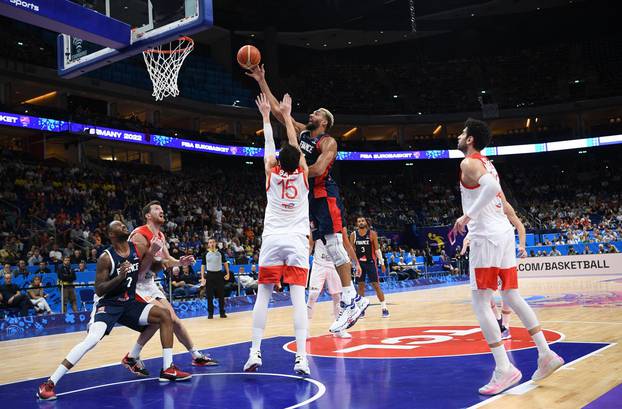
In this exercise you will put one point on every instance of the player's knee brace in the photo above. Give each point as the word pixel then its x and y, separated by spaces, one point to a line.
pixel 336 250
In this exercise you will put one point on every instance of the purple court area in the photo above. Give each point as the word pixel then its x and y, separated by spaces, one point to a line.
pixel 610 400
pixel 439 382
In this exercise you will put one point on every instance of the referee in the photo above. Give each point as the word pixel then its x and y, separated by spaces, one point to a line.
pixel 214 279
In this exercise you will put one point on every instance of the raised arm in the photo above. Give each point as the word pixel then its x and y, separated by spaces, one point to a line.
pixel 269 152
pixel 258 73
pixel 328 155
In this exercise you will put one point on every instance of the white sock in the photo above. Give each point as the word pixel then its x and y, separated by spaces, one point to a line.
pixel 297 293
pixel 336 304
pixel 58 373
pixel 195 353
pixel 135 352
pixel 501 357
pixel 260 314
pixel 167 357
pixel 383 305
pixel 541 343
pixel 348 294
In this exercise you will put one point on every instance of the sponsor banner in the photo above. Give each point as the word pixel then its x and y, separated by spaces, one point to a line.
pixel 570 265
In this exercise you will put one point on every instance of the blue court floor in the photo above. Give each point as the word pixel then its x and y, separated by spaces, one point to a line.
pixel 336 382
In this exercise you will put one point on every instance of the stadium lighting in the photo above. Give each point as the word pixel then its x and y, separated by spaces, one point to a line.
pixel 437 130
pixel 40 98
pixel 350 132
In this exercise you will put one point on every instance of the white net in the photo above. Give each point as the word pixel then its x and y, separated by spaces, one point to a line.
pixel 163 63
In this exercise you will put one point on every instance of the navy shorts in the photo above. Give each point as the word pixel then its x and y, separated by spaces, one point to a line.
pixel 327 216
pixel 370 270
pixel 127 313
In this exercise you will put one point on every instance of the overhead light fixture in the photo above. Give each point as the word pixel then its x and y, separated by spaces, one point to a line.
pixel 437 130
pixel 395 96
pixel 350 132
pixel 40 98
pixel 349 42
pixel 528 122
pixel 259 132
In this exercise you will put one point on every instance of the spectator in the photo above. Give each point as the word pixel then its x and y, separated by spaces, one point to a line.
pixel 247 282
pixel 43 269
pixel 35 258
pixel 38 297
pixel 76 257
pixel 555 252
pixel 586 250
pixel 11 296
pixel 446 263
pixel 601 249
pixel 67 277
pixel 55 254
pixel 92 256
pixel 612 249
pixel 22 269
pixel 572 251
pixel 6 269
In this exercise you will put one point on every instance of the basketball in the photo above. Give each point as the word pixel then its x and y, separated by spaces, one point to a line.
pixel 248 56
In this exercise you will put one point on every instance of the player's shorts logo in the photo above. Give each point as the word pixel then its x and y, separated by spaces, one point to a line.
pixel 415 342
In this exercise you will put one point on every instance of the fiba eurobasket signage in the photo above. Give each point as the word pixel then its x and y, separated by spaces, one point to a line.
pixel 570 265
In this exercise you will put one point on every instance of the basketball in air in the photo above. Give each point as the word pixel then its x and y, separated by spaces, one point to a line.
pixel 248 56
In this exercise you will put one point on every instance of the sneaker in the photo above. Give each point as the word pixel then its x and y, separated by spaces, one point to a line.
pixel 362 303
pixel 501 381
pixel 301 366
pixel 46 391
pixel 210 317
pixel 173 374
pixel 385 313
pixel 547 365
pixel 348 315
pixel 254 361
pixel 223 315
pixel 505 334
pixel 342 334
pixel 204 360
pixel 362 315
pixel 135 366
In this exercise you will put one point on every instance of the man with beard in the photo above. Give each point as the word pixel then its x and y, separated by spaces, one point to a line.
pixel 326 209
pixel 493 257
pixel 117 272
pixel 148 291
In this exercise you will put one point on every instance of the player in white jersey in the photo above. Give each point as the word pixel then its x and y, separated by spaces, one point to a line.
pixel 323 271
pixel 493 256
pixel 284 250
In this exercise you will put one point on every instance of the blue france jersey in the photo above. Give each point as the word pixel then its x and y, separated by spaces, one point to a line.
pixel 126 290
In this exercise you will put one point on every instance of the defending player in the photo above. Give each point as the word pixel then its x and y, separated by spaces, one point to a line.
pixel 148 291
pixel 325 205
pixel 285 246
pixel 493 256
pixel 368 254
pixel 117 272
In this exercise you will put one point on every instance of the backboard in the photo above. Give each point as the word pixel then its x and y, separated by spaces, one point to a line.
pixel 152 22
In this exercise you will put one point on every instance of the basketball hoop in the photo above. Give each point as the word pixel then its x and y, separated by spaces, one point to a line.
pixel 163 63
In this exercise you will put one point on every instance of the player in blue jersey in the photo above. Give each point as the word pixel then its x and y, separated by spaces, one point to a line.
pixel 117 271
pixel 326 211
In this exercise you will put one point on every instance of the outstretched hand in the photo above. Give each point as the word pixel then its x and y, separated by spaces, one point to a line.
pixel 187 260
pixel 263 105
pixel 285 106
pixel 257 72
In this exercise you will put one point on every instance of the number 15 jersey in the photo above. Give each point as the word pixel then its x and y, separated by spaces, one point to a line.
pixel 287 211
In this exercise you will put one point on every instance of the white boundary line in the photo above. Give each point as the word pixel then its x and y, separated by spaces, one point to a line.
pixel 530 382
pixel 561 339
pixel 321 387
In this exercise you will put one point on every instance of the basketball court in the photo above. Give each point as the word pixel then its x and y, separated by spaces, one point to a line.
pixel 429 353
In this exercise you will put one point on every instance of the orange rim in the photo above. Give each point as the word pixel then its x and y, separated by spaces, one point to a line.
pixel 181 50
